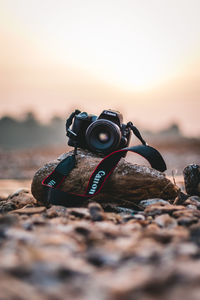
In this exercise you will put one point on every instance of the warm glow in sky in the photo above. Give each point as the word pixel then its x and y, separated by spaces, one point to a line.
pixel 139 56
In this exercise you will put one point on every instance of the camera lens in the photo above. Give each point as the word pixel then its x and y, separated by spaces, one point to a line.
pixel 103 136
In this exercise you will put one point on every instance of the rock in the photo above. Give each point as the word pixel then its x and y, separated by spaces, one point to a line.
pixel 56 211
pixel 192 179
pixel 139 217
pixel 191 206
pixel 18 193
pixel 187 221
pixel 123 210
pixel 186 213
pixel 145 203
pixel 156 209
pixel 79 213
pixel 129 183
pixel 29 210
pixel 17 200
pixel 96 212
pixel 193 200
pixel 165 221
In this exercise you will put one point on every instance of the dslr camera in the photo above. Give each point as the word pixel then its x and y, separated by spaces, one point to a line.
pixel 103 134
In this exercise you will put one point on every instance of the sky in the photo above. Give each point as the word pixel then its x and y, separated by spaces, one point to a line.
pixel 141 57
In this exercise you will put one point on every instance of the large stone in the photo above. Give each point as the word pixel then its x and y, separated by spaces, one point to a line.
pixel 126 187
pixel 192 179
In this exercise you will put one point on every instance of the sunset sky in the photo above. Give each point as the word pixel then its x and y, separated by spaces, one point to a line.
pixel 141 57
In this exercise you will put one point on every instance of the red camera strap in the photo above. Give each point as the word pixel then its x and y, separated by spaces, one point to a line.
pixel 97 179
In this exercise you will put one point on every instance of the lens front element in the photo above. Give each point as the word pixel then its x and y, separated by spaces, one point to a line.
pixel 104 137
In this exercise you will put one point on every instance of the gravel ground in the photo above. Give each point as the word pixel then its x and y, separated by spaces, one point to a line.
pixel 88 253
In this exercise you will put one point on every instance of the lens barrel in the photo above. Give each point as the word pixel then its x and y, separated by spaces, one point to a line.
pixel 103 136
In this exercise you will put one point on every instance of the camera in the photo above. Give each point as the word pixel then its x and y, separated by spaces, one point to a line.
pixel 103 134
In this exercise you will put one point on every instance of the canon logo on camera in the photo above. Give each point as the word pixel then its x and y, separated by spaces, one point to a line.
pixel 110 113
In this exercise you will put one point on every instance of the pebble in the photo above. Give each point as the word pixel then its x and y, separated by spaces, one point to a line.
pixel 187 221
pixel 165 221
pixel 193 200
pixel 29 211
pixel 56 211
pixel 191 206
pixel 145 203
pixel 158 209
pixel 96 212
pixel 17 200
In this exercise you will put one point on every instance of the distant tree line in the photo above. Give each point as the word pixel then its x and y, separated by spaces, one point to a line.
pixel 29 132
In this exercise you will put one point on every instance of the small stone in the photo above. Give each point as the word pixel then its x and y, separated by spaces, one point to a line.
pixel 96 212
pixel 126 218
pixel 156 209
pixel 80 213
pixel 193 200
pixel 139 217
pixel 6 206
pixel 82 230
pixel 192 179
pixel 56 211
pixel 191 206
pixel 165 221
pixel 124 210
pixel 17 200
pixel 188 213
pixel 29 211
pixel 145 203
pixel 18 192
pixel 186 221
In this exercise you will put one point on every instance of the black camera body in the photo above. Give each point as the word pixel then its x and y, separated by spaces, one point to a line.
pixel 102 135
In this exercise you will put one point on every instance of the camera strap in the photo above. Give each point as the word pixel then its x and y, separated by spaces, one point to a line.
pixel 100 175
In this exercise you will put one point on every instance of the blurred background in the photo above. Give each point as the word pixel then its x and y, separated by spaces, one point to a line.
pixel 139 57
